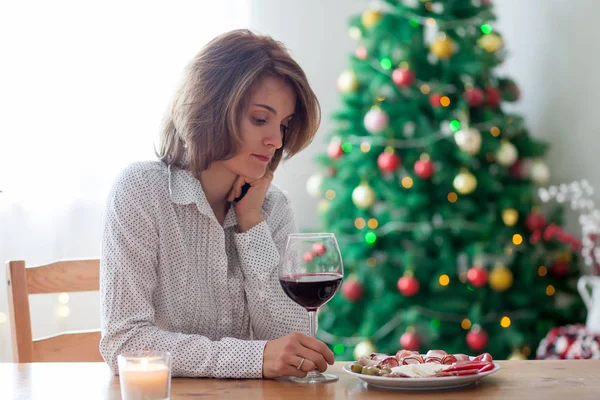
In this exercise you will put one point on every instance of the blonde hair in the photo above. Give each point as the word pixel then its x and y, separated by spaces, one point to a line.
pixel 202 124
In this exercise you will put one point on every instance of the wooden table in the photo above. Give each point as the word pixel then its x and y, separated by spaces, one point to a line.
pixel 516 380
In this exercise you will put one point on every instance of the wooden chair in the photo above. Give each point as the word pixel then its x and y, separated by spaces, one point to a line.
pixel 57 277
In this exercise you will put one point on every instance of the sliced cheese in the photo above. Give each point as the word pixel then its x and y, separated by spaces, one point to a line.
pixel 420 370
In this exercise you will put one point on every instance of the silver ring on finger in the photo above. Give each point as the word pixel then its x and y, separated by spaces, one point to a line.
pixel 301 362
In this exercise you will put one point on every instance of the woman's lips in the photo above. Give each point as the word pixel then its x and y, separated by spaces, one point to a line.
pixel 262 157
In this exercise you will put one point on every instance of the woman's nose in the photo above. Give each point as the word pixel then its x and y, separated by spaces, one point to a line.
pixel 274 138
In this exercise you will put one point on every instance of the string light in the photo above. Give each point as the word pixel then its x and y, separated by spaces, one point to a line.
pixel 517 239
pixel 370 237
pixel 347 147
pixel 505 322
pixel 339 349
pixel 579 194
pixel 542 271
pixel 386 64
pixel 425 141
pixel 465 324
pixel 371 262
pixel 330 194
pixel 526 351
pixel 495 131
pixel 445 101
pixel 444 280
pixel 365 147
pixel 454 125
pixel 425 88
pixel 407 182
pixel 550 290
pixel 452 197
pixel 373 224
pixel 486 28
pixel 463 277
pixel 359 223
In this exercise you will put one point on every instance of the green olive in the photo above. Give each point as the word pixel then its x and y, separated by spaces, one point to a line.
pixel 364 370
pixel 373 371
pixel 384 372
pixel 356 367
pixel 388 369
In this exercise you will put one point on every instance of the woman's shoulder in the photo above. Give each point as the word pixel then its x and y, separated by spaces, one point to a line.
pixel 141 176
pixel 276 198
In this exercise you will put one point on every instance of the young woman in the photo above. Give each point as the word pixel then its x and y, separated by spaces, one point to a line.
pixel 187 266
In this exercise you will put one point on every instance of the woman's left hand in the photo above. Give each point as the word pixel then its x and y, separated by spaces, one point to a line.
pixel 248 209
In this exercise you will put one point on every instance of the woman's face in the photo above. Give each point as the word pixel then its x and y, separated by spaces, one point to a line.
pixel 270 110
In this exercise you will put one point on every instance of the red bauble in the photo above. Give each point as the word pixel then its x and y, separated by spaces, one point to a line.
pixel 308 256
pixel 318 249
pixel 434 100
pixel 408 285
pixel 560 269
pixel 352 290
pixel 477 276
pixel 477 339
pixel 424 169
pixel 410 341
pixel 388 162
pixel 330 171
pixel 474 97
pixel 492 97
pixel 517 170
pixel 334 150
pixel 403 77
pixel 535 221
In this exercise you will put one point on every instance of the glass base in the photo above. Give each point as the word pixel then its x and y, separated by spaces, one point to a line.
pixel 315 377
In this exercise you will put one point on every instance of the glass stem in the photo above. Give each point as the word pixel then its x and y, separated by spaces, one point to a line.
pixel 312 319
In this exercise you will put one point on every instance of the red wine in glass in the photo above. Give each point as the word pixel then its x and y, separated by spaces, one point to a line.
pixel 310 274
pixel 311 290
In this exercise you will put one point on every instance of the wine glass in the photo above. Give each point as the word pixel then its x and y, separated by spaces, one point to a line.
pixel 310 274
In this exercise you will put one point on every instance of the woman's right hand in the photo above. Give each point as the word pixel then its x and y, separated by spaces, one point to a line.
pixel 283 356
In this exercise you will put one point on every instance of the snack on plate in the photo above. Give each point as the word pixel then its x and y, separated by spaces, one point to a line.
pixel 411 364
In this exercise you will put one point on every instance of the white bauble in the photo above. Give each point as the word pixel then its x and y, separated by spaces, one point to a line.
pixel 468 140
pixel 507 154
pixel 363 196
pixel 313 185
pixel 376 120
pixel 539 172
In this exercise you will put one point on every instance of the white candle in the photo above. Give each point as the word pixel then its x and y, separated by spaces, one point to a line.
pixel 144 381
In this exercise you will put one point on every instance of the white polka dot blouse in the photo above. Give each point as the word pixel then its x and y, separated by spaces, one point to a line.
pixel 173 279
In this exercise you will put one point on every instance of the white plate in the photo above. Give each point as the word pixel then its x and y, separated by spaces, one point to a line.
pixel 446 382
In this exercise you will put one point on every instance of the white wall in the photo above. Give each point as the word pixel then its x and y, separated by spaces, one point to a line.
pixel 552 46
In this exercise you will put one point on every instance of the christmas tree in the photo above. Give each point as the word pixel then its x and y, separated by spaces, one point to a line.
pixel 430 187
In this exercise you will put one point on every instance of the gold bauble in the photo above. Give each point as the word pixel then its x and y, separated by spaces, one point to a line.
pixel 465 183
pixel 510 216
pixel 442 48
pixel 364 349
pixel 490 43
pixel 500 279
pixel 347 82
pixel 517 355
pixel 370 18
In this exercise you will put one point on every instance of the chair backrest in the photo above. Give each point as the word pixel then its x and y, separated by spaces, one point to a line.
pixel 57 277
